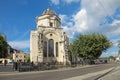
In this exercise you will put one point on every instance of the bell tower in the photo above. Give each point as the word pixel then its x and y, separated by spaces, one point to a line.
pixel 48 19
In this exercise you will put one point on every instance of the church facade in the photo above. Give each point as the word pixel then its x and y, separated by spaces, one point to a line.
pixel 49 42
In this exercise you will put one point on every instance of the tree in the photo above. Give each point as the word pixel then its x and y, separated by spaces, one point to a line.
pixel 28 59
pixel 90 46
pixel 3 48
pixel 112 57
pixel 73 52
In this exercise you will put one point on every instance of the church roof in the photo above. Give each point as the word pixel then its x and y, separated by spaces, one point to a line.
pixel 48 12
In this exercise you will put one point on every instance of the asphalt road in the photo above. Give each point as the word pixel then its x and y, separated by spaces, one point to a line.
pixel 60 74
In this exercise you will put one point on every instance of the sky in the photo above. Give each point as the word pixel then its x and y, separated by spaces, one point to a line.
pixel 18 18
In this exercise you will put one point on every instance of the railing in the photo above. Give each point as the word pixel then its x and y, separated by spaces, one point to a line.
pixel 23 66
pixel 6 68
pixel 40 66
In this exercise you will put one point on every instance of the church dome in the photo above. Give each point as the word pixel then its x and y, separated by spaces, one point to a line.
pixel 48 12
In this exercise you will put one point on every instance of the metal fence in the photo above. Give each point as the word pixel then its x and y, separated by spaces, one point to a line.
pixel 23 66
pixel 38 67
pixel 6 68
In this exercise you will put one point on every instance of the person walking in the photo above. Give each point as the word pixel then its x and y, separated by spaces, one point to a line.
pixel 5 62
pixel 16 65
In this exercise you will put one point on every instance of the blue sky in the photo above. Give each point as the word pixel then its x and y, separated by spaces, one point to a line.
pixel 18 18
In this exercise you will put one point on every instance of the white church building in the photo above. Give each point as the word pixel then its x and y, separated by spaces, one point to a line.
pixel 49 42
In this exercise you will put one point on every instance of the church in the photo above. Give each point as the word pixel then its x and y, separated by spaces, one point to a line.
pixel 49 42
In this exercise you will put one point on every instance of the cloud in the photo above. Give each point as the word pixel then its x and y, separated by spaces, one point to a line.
pixel 115 42
pixel 114 53
pixel 116 25
pixel 91 18
pixel 109 54
pixel 63 17
pixel 80 20
pixel 67 24
pixel 20 44
pixel 56 2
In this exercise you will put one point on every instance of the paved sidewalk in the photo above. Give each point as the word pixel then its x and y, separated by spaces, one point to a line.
pixel 89 75
pixel 114 75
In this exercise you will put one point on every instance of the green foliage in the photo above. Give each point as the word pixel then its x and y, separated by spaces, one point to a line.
pixel 3 48
pixel 28 59
pixel 112 57
pixel 89 46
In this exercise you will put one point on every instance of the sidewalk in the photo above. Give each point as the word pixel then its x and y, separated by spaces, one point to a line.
pixel 89 75
pixel 114 75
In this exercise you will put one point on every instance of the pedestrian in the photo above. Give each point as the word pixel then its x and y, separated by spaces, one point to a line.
pixel 16 65
pixel 32 63
pixel 5 62
pixel 13 64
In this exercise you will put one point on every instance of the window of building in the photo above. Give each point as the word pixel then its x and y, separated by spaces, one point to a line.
pixel 50 34
pixel 56 49
pixel 51 48
pixel 45 49
pixel 16 56
pixel 51 24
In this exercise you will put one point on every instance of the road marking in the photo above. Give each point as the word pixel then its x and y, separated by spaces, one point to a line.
pixel 82 77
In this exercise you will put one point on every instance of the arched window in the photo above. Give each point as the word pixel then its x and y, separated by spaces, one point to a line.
pixel 45 49
pixel 56 49
pixel 51 48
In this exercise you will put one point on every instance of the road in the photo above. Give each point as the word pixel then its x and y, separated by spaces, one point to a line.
pixel 86 73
